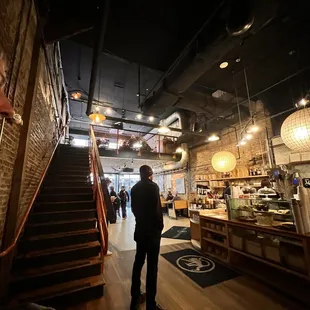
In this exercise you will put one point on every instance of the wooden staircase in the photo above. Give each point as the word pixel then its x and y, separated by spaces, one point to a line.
pixel 58 257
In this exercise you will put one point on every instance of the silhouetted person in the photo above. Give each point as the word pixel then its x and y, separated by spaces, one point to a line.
pixel 124 197
pixel 146 207
pixel 227 190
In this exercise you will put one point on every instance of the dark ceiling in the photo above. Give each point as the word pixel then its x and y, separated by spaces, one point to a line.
pixel 275 49
pixel 151 33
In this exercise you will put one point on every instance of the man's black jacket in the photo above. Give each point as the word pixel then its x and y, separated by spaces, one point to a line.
pixel 146 207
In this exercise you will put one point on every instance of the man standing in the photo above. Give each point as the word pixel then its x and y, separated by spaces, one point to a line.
pixel 124 196
pixel 146 207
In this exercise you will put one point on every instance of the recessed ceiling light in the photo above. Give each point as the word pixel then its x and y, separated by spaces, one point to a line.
pixel 139 116
pixel 224 65
pixel 109 110
pixel 137 95
pixel 238 59
pixel 151 118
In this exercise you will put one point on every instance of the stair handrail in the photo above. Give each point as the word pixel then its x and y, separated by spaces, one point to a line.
pixel 25 217
pixel 100 192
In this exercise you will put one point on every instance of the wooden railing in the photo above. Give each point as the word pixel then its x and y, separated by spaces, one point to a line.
pixel 101 194
pixel 25 216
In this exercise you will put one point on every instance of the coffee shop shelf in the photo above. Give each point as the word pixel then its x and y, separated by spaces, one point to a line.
pixel 238 250
pixel 241 178
pixel 222 244
pixel 296 273
pixel 216 256
pixel 215 231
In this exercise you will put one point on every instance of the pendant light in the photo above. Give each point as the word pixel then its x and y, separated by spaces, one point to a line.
pixel 295 130
pixel 224 161
pixel 96 116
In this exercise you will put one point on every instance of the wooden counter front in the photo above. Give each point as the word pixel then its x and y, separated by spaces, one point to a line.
pixel 241 245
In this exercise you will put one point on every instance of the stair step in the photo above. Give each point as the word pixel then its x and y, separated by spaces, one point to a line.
pixel 67 177
pixel 65 197
pixel 69 166
pixel 60 226
pixel 67 190
pixel 57 255
pixel 41 242
pixel 50 275
pixel 77 172
pixel 71 159
pixel 72 292
pixel 40 217
pixel 63 206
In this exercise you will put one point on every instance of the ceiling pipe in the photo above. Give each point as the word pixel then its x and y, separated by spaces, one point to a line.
pixel 184 131
pixel 181 164
pixel 96 54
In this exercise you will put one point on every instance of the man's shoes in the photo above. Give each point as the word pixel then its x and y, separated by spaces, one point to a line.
pixel 109 253
pixel 141 299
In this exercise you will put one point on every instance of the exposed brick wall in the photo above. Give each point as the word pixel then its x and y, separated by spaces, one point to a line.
pixel 200 157
pixel 43 126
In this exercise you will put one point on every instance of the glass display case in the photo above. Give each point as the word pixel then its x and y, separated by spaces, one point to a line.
pixel 259 211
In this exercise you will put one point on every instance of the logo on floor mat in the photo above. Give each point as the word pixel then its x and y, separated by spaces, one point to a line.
pixel 195 263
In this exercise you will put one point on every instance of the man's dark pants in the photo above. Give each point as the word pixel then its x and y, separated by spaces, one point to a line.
pixel 146 248
pixel 124 211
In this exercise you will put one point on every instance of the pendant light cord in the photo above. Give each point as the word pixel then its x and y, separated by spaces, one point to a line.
pixel 247 90
pixel 237 100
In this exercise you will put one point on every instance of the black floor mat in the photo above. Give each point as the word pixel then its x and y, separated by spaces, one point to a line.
pixel 202 270
pixel 178 232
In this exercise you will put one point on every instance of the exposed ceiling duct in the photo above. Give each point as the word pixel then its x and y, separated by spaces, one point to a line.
pixel 181 164
pixel 175 88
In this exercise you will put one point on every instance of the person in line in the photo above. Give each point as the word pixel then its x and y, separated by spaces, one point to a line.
pixel 115 200
pixel 124 197
pixel 146 207
pixel 169 196
pixel 227 190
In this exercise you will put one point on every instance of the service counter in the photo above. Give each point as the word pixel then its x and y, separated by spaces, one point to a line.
pixel 279 258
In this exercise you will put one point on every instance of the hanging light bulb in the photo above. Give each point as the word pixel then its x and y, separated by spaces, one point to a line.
pixel 248 136
pixel 139 116
pixel 213 138
pixel 139 153
pixel 253 129
pixel 303 102
pixel 179 150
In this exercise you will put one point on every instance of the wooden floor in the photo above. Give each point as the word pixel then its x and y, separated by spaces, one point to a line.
pixel 177 292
